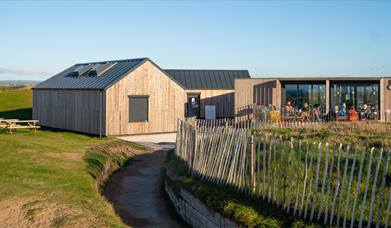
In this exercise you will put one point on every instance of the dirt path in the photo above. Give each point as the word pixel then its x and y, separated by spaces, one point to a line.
pixel 135 191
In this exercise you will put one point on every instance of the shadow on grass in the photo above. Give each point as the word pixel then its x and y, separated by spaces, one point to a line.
pixel 22 114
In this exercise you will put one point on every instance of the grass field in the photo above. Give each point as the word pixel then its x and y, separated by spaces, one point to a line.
pixel 15 103
pixel 369 133
pixel 48 178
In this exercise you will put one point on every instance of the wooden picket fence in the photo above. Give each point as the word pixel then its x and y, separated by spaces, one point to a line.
pixel 237 123
pixel 334 185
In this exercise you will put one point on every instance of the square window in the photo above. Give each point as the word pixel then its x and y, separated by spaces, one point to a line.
pixel 138 108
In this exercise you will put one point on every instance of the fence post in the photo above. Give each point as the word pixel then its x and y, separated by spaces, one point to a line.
pixel 374 187
pixel 343 184
pixel 357 187
pixel 383 183
pixel 253 181
pixel 369 171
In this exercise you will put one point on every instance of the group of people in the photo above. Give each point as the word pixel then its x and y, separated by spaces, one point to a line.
pixel 364 112
pixel 340 112
pixel 305 113
pixel 317 113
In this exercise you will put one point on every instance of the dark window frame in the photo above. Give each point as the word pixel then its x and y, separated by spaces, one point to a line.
pixel 353 84
pixel 129 116
pixel 298 83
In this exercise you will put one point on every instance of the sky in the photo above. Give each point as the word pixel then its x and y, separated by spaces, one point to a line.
pixel 269 38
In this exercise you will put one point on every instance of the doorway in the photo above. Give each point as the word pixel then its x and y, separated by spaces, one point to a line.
pixel 193 105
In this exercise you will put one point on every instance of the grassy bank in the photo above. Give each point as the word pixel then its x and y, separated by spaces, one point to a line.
pixel 370 133
pixel 52 179
pixel 15 103
pixel 323 182
pixel 241 208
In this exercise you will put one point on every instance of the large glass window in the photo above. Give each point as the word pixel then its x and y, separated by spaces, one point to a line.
pixel 299 93
pixel 356 94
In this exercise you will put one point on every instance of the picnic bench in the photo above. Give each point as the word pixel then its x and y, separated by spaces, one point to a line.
pixel 13 124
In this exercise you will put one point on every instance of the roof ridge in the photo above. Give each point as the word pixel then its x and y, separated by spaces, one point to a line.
pixel 119 60
pixel 206 69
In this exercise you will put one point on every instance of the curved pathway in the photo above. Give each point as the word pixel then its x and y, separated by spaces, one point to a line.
pixel 136 190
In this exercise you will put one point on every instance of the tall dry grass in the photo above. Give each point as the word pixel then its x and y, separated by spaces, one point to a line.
pixel 369 133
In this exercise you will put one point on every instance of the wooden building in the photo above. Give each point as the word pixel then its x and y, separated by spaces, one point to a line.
pixel 322 92
pixel 132 96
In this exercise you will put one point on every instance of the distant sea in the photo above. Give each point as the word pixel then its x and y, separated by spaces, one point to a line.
pixel 9 83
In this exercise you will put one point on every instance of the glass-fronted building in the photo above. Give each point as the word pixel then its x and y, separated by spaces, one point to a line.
pixel 314 93
pixel 355 94
pixel 352 93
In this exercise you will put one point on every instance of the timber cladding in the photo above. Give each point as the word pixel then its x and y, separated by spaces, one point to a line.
pixel 135 96
pixel 74 110
pixel 257 90
pixel 385 96
pixel 223 99
pixel 166 102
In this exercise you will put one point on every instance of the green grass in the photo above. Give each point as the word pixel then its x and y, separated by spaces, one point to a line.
pixel 50 178
pixel 15 103
pixel 241 208
pixel 369 133
pixel 280 171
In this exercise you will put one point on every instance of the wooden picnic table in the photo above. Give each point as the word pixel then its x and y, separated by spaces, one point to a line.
pixel 13 124
pixel 8 120
pixel 4 122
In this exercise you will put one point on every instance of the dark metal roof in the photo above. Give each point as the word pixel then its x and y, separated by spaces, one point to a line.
pixel 207 79
pixel 188 79
pixel 64 80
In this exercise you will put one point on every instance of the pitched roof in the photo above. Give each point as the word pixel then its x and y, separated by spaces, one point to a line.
pixel 65 79
pixel 207 79
pixel 102 75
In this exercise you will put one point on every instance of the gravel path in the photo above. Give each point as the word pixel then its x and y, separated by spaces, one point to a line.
pixel 135 190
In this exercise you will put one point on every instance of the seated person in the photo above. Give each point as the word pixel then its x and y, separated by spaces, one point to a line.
pixel 316 112
pixel 265 111
pixel 275 115
pixel 372 113
pixel 365 108
pixel 289 109
pixel 342 112
pixel 353 115
pixel 364 112
pixel 306 112
pixel 332 115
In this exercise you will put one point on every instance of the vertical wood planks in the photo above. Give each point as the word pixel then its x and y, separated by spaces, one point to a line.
pixel 324 180
pixel 366 187
pixel 345 170
pixel 316 182
pixel 379 206
pixel 374 187
pixel 349 187
pixel 310 180
pixel 357 187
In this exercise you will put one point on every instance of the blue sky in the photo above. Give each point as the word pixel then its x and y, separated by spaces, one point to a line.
pixel 269 38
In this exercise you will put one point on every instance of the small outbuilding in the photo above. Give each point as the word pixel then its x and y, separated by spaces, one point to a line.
pixel 133 96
